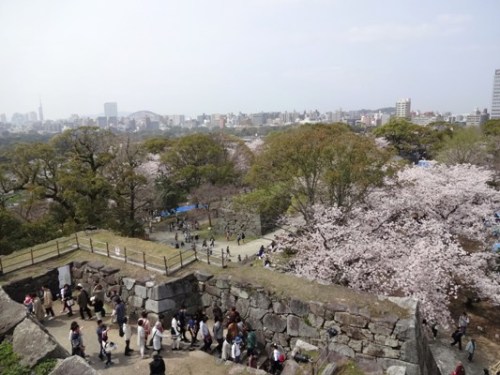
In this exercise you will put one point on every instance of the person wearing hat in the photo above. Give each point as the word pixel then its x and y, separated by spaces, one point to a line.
pixel 275 359
pixel 236 350
pixel 157 365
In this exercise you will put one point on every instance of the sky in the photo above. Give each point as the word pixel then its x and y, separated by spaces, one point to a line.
pixel 218 56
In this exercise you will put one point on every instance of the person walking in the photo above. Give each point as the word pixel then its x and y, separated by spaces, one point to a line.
pixel 83 302
pixel 107 346
pixel 157 365
pixel 146 325
pixel 470 348
pixel 251 346
pixel 75 337
pixel 275 359
pixel 98 331
pixel 457 338
pixel 226 348
pixel 127 330
pixel 205 332
pixel 48 301
pixel 236 350
pixel 38 310
pixel 459 370
pixel 175 332
pixel 182 321
pixel 119 312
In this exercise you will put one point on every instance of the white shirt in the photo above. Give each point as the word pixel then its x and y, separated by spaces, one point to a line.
pixel 235 350
pixel 141 336
pixel 175 325
pixel 204 329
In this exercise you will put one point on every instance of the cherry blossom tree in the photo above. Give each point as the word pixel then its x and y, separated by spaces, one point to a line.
pixel 405 239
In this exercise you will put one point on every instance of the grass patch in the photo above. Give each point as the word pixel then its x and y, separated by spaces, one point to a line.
pixel 350 368
pixel 9 363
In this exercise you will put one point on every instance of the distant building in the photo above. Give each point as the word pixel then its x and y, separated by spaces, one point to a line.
pixel 403 109
pixel 40 112
pixel 477 118
pixel 495 103
pixel 111 113
pixel 3 118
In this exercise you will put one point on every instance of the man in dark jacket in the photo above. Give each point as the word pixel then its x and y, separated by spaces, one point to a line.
pixel 457 338
pixel 83 301
pixel 157 365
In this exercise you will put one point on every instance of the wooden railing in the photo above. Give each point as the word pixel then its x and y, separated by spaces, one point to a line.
pixel 55 249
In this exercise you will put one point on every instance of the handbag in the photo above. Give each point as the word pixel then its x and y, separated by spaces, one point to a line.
pixel 70 302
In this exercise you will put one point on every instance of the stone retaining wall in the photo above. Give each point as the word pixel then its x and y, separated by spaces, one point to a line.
pixel 385 341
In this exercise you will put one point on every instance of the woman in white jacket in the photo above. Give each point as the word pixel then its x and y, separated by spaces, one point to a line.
pixel 157 336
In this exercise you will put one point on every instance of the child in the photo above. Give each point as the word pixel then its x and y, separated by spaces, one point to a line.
pixel 28 302
pixel 107 345
pixel 141 337
pixel 236 350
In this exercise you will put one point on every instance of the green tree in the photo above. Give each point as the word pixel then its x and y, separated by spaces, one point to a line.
pixel 465 146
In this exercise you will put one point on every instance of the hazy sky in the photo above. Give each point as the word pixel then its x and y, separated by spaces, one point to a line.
pixel 189 57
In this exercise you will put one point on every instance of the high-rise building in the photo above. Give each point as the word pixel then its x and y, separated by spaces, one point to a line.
pixel 40 112
pixel 403 108
pixel 111 113
pixel 495 103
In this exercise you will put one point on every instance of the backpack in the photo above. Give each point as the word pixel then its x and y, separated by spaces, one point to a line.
pixel 75 340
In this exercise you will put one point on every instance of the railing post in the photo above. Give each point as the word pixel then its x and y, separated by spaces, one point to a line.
pixel 91 245
pixel 195 254
pixel 58 251
pixel 76 239
pixel 107 249
pixel 32 259
pixel 222 256
pixel 180 255
pixel 208 256
pixel 125 253
pixel 144 259
pixel 1 266
pixel 166 266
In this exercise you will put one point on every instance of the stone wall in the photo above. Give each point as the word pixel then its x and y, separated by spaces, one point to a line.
pixel 237 222
pixel 18 289
pixel 384 341
pixel 139 294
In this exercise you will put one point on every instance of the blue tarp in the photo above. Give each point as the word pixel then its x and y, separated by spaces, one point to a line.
pixel 178 210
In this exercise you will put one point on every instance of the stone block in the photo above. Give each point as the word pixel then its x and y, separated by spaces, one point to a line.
pixel 214 291
pixel 223 283
pixel 274 322
pixel 396 370
pixel 203 276
pixel 239 292
pixel 334 307
pixel 408 352
pixel 330 369
pixel 298 327
pixel 411 369
pixel 298 307
pixel 111 279
pixel 279 307
pixel 128 283
pixel 377 350
pixel 206 300
pixel 260 301
pixel 256 314
pixel 351 320
pixel 379 329
pixel 141 291
pixel 77 273
pixel 242 305
pixel 405 329
pixel 317 308
pixel 11 313
pixel 170 290
pixel 95 266
pixel 160 306
pixel 356 345
pixel 73 365
pixel 305 346
pixel 290 367
pixel 315 320
pixel 150 284
pixel 33 343
pixel 136 301
pixel 341 349
pixel 281 339
pixel 108 270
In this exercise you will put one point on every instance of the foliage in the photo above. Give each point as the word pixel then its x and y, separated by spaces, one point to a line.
pixel 9 361
pixel 491 127
pixel 318 163
pixel 465 146
pixel 45 367
pixel 404 239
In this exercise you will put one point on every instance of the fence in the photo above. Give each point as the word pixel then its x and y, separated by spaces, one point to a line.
pixel 162 264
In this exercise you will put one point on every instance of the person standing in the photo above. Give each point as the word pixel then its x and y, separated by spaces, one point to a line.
pixel 99 330
pixel 218 330
pixel 275 359
pixel 251 346
pixel 146 325
pixel 205 332
pixel 119 312
pixel 236 350
pixel 107 345
pixel 157 336
pixel 459 370
pixel 83 301
pixel 37 307
pixel 157 365
pixel 463 322
pixel 226 348
pixel 75 337
pixel 175 332
pixel 48 301
pixel 141 337
pixel 470 348
pixel 181 320
pixel 127 330
pixel 67 299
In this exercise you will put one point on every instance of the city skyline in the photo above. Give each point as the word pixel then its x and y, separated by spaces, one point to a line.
pixel 193 57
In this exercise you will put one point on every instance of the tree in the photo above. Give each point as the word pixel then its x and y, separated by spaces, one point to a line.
pixel 406 239
pixel 318 163
pixel 208 195
pixel 464 146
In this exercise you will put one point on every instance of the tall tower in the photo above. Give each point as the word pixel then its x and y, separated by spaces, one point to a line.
pixel 40 111
pixel 111 113
pixel 495 102
pixel 403 108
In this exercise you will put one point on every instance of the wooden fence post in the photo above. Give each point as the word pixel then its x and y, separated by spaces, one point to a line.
pixel 76 239
pixel 195 254
pixel 208 256
pixel 1 266
pixel 166 266
pixel 222 256
pixel 32 259
pixel 144 259
pixel 125 253
pixel 180 255
pixel 107 249
pixel 58 251
pixel 91 245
